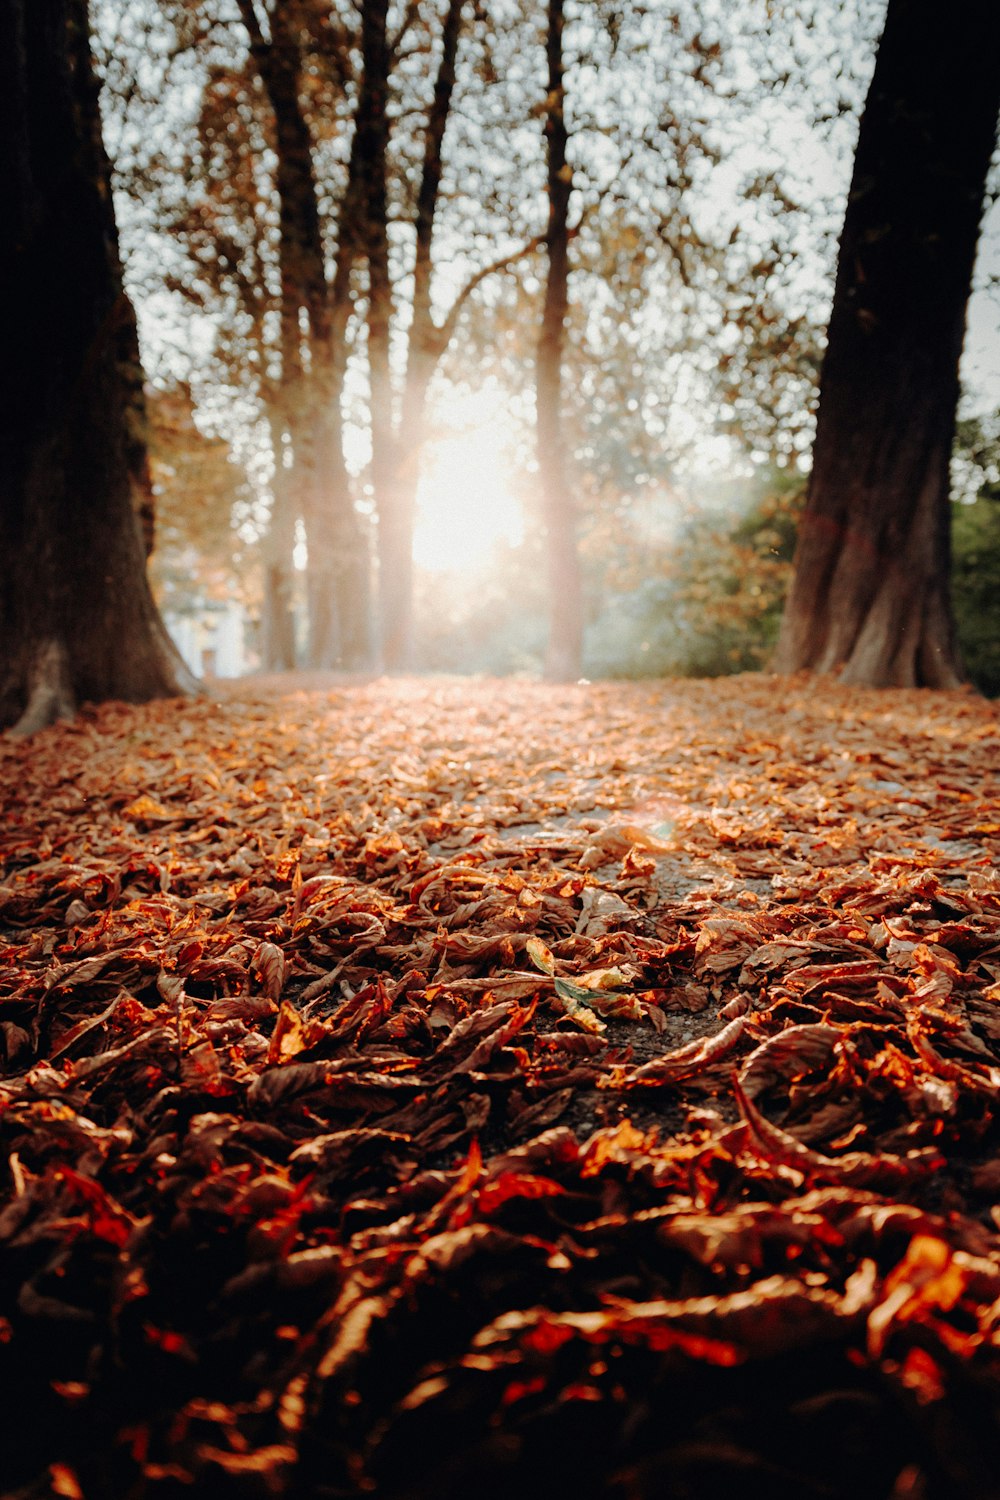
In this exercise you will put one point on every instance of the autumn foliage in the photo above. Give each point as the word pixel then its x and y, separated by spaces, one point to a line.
pixel 426 1089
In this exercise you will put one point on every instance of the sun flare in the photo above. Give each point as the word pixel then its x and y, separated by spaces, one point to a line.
pixel 467 505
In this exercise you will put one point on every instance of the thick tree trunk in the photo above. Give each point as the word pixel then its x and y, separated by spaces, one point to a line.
pixel 565 643
pixel 77 621
pixel 870 595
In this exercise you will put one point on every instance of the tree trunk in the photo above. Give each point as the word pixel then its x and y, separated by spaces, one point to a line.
pixel 353 588
pixel 870 595
pixel 565 643
pixel 337 564
pixel 136 426
pixel 397 513
pixel 77 620
pixel 372 140
pixel 277 609
pixel 338 577
pixel 426 343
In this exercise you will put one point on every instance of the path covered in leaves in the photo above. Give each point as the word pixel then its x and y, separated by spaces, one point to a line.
pixel 428 1089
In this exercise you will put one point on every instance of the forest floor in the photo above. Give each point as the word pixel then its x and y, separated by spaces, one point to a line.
pixel 420 1088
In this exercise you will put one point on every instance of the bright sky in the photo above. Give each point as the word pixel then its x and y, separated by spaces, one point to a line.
pixel 467 503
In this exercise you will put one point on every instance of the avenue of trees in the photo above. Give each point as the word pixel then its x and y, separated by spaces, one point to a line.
pixel 338 217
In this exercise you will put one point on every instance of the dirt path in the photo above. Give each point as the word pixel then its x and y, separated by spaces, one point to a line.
pixel 413 1086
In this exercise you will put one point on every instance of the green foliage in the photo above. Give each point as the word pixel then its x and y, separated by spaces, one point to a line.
pixel 976 549
pixel 712 604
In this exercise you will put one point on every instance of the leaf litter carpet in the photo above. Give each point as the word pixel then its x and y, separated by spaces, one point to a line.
pixel 422 1089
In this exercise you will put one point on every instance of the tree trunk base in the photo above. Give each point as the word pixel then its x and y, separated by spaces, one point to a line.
pixel 277 623
pixel 50 695
pixel 562 664
pixel 902 636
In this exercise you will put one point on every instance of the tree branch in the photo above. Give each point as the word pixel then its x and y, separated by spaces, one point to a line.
pixel 430 177
pixel 410 15
pixel 446 329
pixel 250 19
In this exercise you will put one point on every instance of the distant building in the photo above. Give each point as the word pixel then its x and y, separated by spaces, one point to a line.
pixel 213 638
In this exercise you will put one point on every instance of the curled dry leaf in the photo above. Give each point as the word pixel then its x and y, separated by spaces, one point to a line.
pixel 268 966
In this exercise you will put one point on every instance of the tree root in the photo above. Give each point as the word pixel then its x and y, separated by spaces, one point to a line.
pixel 50 696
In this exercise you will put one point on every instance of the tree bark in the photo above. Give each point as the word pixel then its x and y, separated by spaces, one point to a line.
pixel 426 343
pixel 373 145
pixel 277 610
pixel 337 566
pixel 870 595
pixel 77 620
pixel 565 642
